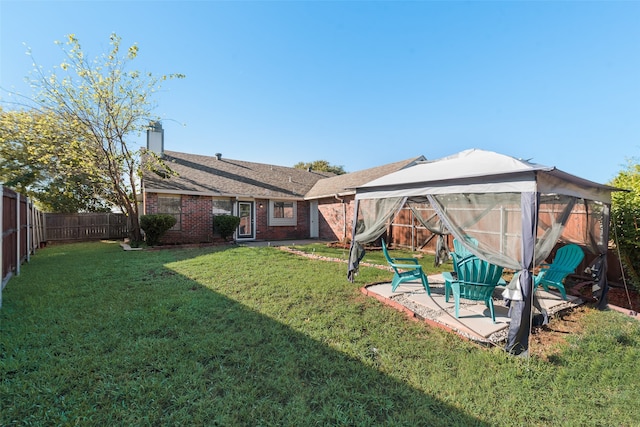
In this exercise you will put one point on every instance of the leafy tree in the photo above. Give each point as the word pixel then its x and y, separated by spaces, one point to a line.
pixel 320 165
pixel 40 157
pixel 104 105
pixel 625 220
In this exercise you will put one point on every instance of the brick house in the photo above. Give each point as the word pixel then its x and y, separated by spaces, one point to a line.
pixel 334 198
pixel 269 199
pixel 273 202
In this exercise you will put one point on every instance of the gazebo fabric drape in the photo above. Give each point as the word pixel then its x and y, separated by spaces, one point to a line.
pixel 371 220
pixel 514 209
pixel 434 224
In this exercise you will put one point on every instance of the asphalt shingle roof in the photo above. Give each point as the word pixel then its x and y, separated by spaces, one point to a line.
pixel 228 177
pixel 344 184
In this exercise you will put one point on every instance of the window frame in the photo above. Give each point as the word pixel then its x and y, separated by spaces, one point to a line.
pixel 217 211
pixel 285 221
pixel 177 215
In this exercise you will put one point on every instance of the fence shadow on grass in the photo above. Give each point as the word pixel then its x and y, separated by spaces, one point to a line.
pixel 265 372
pixel 168 350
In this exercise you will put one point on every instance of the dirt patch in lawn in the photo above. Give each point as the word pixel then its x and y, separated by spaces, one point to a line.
pixel 545 340
pixel 620 297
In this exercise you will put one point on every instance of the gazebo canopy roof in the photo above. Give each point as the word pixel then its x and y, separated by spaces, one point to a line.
pixel 480 171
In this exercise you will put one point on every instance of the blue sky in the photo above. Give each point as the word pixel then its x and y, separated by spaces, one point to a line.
pixel 364 83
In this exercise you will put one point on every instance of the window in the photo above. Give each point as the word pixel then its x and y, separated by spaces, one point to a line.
pixel 283 210
pixel 222 207
pixel 282 213
pixel 171 205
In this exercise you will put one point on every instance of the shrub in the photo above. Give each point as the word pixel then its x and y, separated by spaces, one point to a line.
pixel 225 225
pixel 625 211
pixel 155 226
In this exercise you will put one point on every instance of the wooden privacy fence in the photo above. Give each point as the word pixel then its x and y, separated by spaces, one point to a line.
pixel 406 231
pixel 25 228
pixel 22 233
pixel 85 226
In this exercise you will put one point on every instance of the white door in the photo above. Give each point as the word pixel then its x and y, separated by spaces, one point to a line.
pixel 314 228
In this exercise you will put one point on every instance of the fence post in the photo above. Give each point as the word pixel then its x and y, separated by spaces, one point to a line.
pixel 29 232
pixel 1 242
pixel 38 232
pixel 18 226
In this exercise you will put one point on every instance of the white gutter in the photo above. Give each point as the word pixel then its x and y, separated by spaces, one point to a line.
pixel 349 192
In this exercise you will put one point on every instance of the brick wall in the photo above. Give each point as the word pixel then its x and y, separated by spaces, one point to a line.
pixel 332 224
pixel 196 219
pixel 262 219
pixel 334 216
pixel 266 232
pixel 149 203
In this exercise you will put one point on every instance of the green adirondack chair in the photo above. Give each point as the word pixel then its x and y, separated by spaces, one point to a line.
pixel 461 253
pixel 461 250
pixel 564 263
pixel 475 280
pixel 405 270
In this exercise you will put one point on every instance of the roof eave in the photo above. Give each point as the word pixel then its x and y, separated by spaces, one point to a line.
pixel 218 194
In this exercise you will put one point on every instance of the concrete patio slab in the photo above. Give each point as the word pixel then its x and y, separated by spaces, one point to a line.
pixel 474 321
pixel 434 302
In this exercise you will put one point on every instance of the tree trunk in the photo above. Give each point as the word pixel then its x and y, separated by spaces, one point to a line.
pixel 135 234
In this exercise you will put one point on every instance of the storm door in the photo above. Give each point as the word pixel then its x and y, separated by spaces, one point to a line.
pixel 245 212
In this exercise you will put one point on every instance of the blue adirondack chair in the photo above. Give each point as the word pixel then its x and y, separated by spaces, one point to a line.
pixel 476 280
pixel 564 263
pixel 405 270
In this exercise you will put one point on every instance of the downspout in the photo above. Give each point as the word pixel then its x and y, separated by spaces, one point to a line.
pixel 344 217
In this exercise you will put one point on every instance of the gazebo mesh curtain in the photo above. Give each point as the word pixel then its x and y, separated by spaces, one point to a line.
pixel 494 220
pixel 372 216
pixel 429 219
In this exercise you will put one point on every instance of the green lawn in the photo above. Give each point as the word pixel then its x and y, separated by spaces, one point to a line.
pixel 374 256
pixel 241 336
